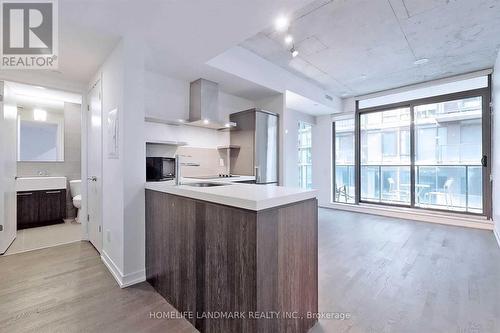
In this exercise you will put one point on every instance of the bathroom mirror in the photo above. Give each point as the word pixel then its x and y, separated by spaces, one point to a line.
pixel 40 135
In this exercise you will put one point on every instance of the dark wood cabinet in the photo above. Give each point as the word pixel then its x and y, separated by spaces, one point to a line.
pixel 39 208
pixel 27 208
pixel 206 258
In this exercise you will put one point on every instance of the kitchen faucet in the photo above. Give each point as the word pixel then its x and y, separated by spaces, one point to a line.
pixel 178 164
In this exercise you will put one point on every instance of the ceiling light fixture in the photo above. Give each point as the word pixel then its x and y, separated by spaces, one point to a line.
pixel 294 52
pixel 206 121
pixel 421 61
pixel 288 39
pixel 281 23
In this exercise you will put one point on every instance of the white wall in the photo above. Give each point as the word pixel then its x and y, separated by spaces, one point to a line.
pixel 291 142
pixel 495 139
pixel 322 159
pixel 167 98
pixel 123 211
pixel 112 73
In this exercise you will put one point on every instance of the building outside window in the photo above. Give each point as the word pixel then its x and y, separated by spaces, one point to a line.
pixel 304 151
pixel 429 153
pixel 344 185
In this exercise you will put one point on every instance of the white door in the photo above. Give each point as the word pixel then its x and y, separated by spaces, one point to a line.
pixel 8 167
pixel 94 167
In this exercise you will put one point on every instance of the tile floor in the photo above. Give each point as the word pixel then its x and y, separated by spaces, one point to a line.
pixel 42 237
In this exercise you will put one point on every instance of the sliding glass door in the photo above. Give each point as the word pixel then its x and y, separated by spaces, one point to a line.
pixel 448 146
pixel 385 156
pixel 430 153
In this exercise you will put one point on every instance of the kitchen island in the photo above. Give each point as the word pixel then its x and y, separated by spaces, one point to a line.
pixel 235 257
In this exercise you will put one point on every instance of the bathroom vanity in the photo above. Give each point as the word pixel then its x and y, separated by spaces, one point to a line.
pixel 243 249
pixel 40 201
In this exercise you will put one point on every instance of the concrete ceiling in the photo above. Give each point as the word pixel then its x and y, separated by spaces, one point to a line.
pixel 180 36
pixel 355 47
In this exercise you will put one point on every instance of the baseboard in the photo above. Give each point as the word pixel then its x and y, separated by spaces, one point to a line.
pixel 122 280
pixel 497 234
pixel 415 215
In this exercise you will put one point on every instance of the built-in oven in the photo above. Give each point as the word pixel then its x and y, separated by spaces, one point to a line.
pixel 160 168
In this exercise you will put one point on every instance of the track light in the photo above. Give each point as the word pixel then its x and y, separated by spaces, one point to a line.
pixel 288 39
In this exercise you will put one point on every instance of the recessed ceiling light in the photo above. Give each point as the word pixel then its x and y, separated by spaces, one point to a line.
pixel 281 23
pixel 206 121
pixel 421 61
pixel 288 39
pixel 294 52
pixel 181 120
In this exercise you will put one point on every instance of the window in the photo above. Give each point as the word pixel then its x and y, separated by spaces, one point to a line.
pixel 389 144
pixel 304 151
pixel 344 161
pixel 448 166
pixel 428 153
pixel 385 173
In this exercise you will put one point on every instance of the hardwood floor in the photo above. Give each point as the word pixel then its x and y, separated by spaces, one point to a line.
pixel 68 289
pixel 403 276
pixel 389 275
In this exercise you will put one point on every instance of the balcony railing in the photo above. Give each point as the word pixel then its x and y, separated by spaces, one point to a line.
pixel 445 187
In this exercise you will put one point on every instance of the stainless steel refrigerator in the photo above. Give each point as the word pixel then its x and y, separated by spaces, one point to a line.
pixel 254 145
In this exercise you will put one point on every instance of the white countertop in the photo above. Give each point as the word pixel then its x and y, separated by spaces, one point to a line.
pixel 40 183
pixel 246 196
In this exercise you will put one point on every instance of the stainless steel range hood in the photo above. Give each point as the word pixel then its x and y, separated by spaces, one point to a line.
pixel 204 105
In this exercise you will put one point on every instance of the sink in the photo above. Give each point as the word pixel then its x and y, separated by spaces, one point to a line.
pixel 205 184
pixel 40 183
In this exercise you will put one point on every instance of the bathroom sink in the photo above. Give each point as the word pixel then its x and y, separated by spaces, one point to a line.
pixel 40 183
pixel 205 184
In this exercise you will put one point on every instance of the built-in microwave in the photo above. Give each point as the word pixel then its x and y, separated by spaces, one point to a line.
pixel 160 168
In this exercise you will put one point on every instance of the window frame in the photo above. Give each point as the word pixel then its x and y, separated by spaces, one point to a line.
pixel 337 118
pixel 300 148
pixel 484 93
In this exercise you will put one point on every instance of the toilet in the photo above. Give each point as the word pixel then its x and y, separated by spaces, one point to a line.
pixel 76 194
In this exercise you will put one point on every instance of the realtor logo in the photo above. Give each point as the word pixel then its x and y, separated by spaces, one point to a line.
pixel 29 34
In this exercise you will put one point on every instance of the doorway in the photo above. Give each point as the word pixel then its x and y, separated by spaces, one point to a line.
pixel 42 197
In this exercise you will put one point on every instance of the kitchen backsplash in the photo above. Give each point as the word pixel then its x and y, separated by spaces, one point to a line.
pixel 212 161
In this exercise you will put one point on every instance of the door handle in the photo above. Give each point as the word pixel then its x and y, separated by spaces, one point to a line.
pixel 484 161
pixel 21 194
pixel 53 192
pixel 93 178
